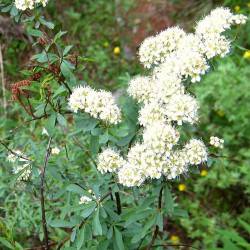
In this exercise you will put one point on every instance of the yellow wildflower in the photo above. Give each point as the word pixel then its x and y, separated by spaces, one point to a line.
pixel 117 50
pixel 237 8
pixel 247 54
pixel 182 187
pixel 175 239
pixel 203 172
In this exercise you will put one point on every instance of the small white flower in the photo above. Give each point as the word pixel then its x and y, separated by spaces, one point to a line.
pixel 175 165
pixel 146 161
pixel 45 132
pixel 196 152
pixel 150 113
pixel 182 108
pixel 130 176
pixel 216 142
pixel 215 44
pixel 109 161
pixel 141 88
pixel 55 151
pixel 84 200
pixel 160 137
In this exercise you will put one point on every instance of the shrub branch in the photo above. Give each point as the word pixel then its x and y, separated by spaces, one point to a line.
pixel 156 231
pixel 42 188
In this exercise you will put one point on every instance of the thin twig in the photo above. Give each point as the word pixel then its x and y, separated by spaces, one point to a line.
pixel 118 202
pixel 156 231
pixel 226 157
pixel 13 152
pixel 3 81
pixel 105 196
pixel 42 188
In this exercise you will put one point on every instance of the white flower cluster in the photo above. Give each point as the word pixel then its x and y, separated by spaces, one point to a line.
pixel 150 113
pixel 29 4
pixel 154 50
pixel 216 142
pixel 109 161
pixel 160 137
pixel 144 160
pixel 21 165
pixel 196 152
pixel 55 151
pixel 84 200
pixel 99 104
pixel 218 21
pixel 175 165
pixel 130 176
pixel 175 56
pixel 186 54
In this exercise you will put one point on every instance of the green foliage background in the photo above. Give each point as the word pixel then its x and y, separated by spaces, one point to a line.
pixel 212 213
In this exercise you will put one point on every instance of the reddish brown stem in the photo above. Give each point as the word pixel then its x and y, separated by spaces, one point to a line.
pixel 42 189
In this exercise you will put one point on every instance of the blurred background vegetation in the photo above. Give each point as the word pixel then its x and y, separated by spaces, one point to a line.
pixel 108 34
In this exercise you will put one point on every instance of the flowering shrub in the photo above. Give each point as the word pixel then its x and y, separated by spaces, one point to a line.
pixel 132 157
pixel 176 57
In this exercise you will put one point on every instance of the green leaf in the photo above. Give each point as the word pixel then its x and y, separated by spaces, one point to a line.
pixel 62 121
pixel 67 49
pixel 41 57
pixel 88 232
pixel 61 223
pixel 104 138
pixel 6 243
pixel 96 131
pixel 245 225
pixel 59 35
pixel 178 212
pixel 14 11
pixel 50 124
pixel 103 245
pixel 48 24
pixel 86 123
pixel 80 238
pixel 136 215
pixel 7 8
pixel 97 227
pixel 74 188
pixel 118 239
pixel 159 221
pixel 73 235
pixel 149 224
pixel 18 246
pixel 125 140
pixel 94 144
pixel 61 90
pixel 169 203
pixel 67 72
pixel 34 32
pixel 54 172
pixel 88 209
